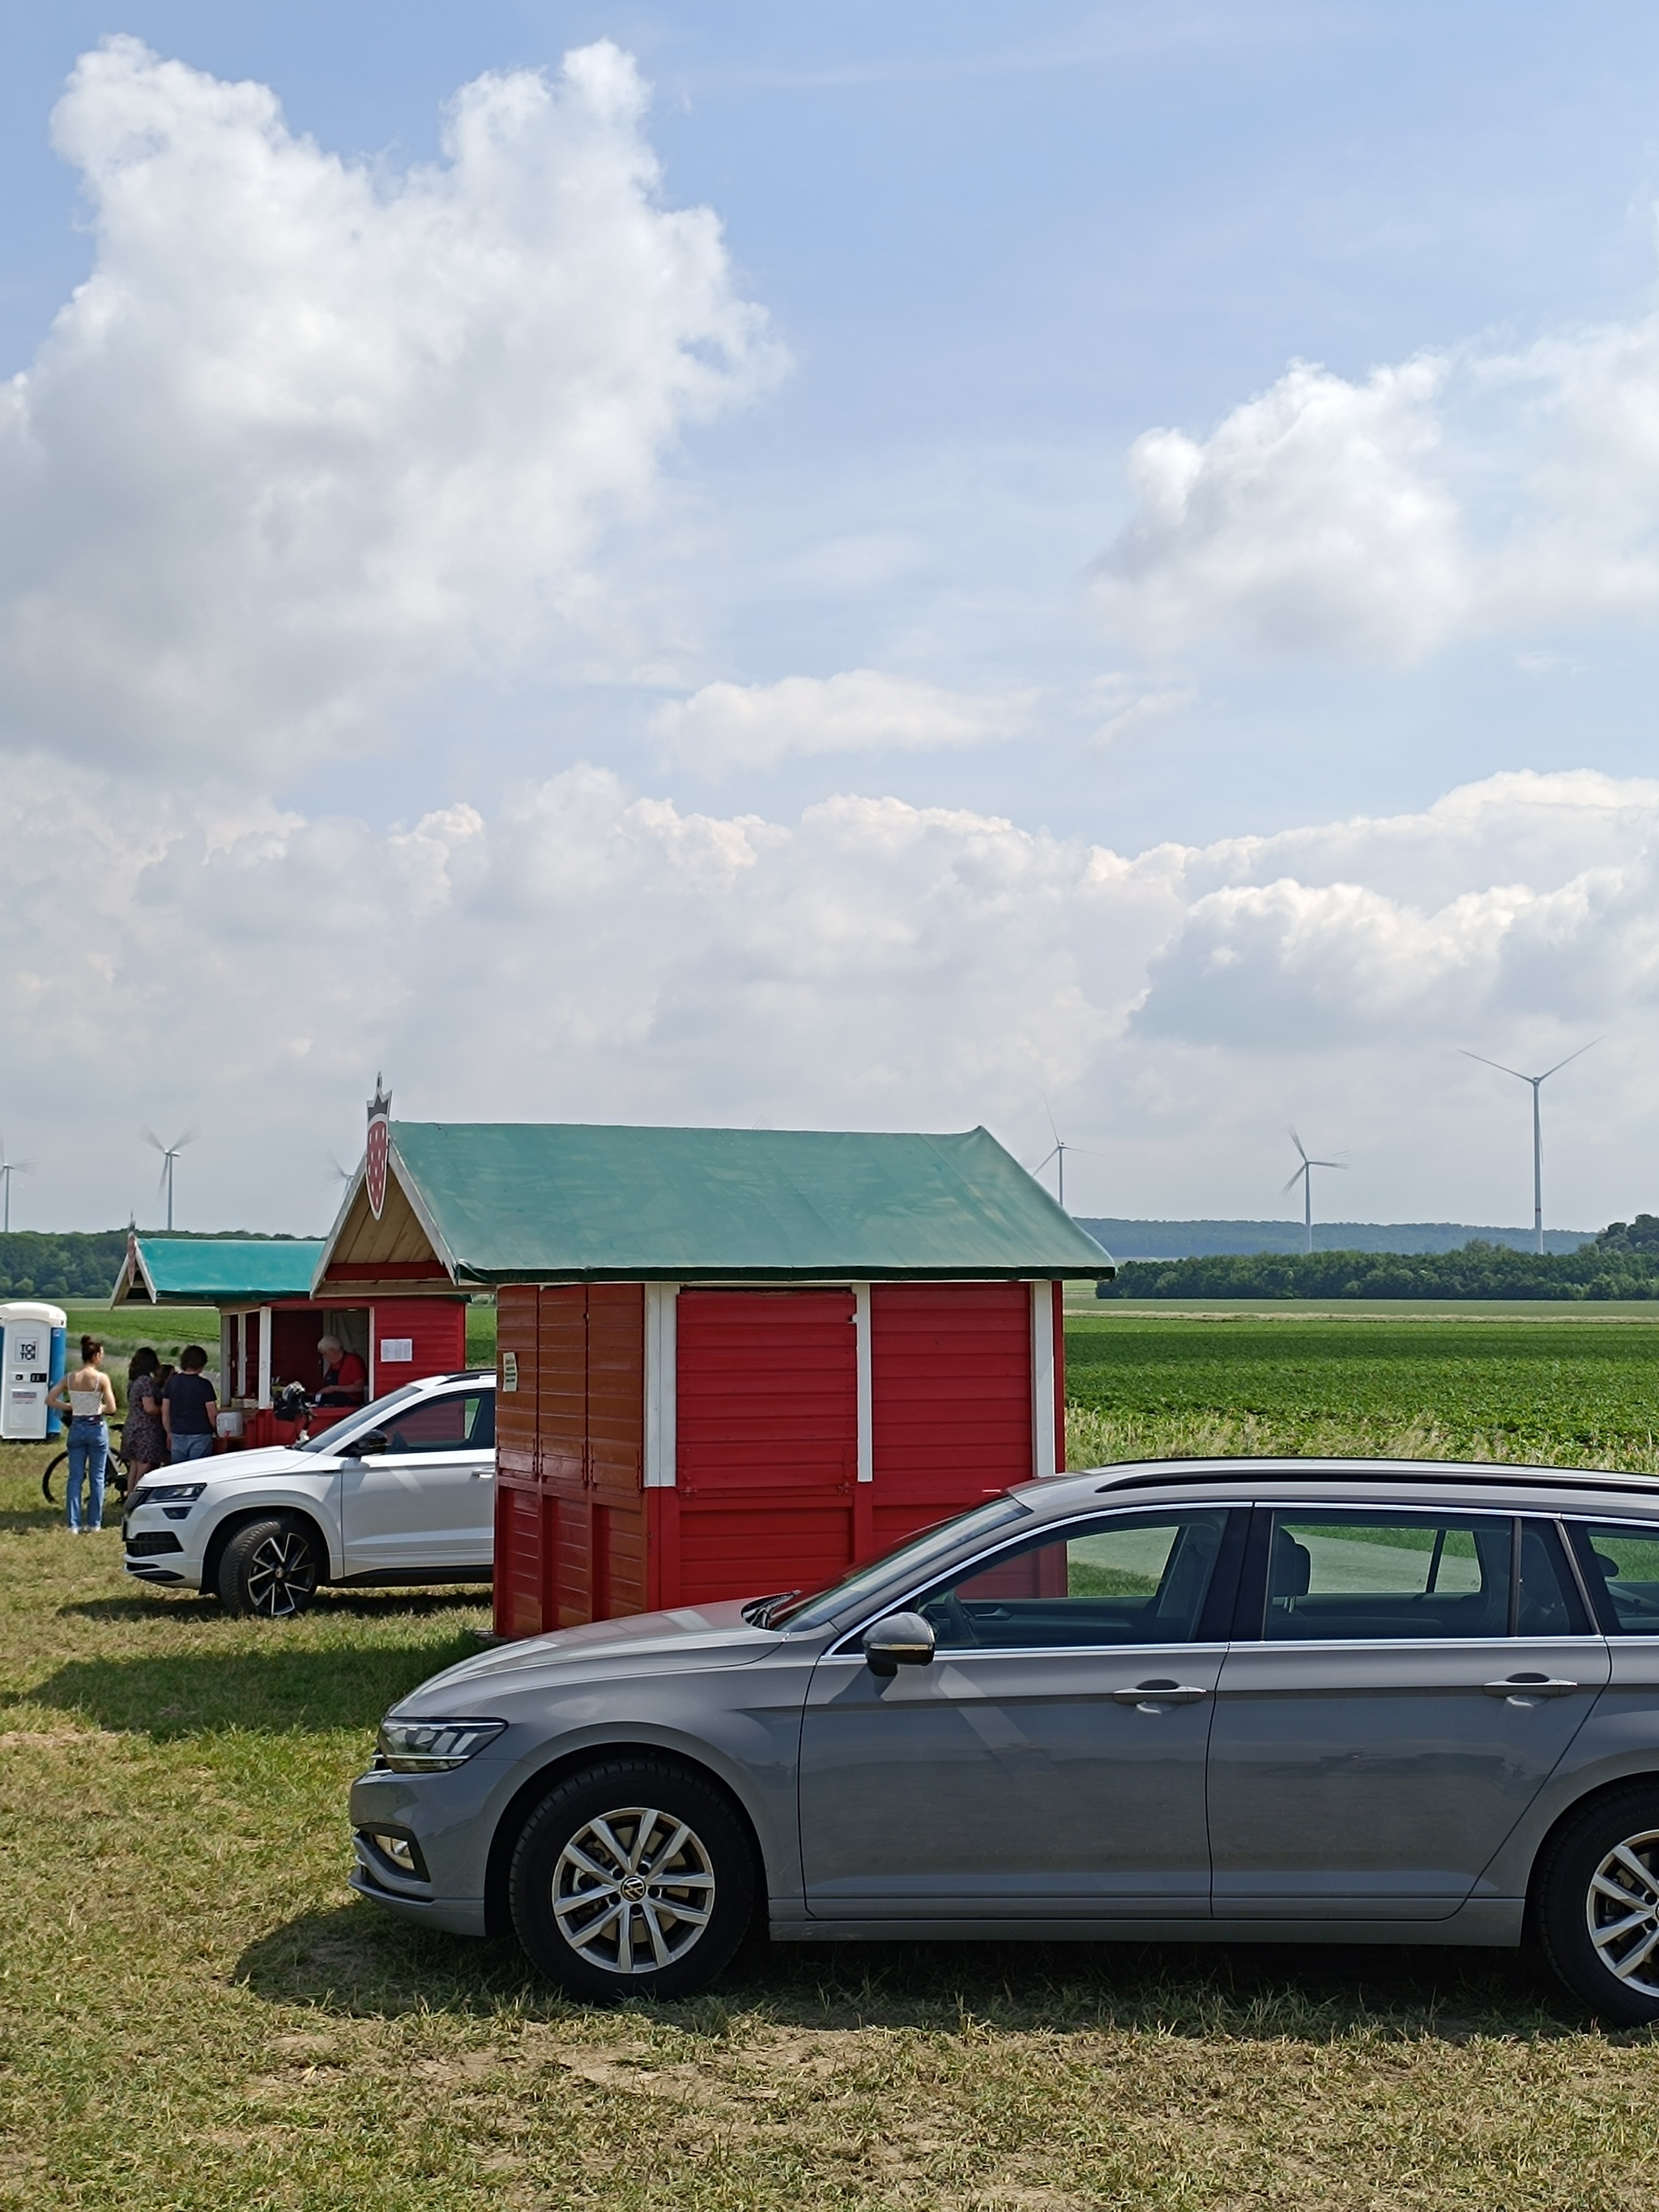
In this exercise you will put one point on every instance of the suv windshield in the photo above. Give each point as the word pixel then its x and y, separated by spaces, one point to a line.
pixel 340 1432
pixel 912 1559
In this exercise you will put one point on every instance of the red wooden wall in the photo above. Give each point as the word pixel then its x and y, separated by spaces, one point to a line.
pixel 766 1494
pixel 437 1328
pixel 570 1517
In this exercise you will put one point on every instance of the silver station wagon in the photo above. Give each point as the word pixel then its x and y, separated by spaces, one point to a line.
pixel 1351 1702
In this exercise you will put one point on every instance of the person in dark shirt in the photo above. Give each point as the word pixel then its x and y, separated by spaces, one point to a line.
pixel 189 1402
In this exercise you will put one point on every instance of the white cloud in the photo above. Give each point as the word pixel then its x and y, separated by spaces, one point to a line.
pixel 311 433
pixel 760 724
pixel 1478 493
pixel 584 951
pixel 1309 519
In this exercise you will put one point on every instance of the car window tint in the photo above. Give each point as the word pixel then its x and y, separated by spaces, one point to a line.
pixel 1134 1579
pixel 460 1422
pixel 1381 1576
pixel 1547 1602
pixel 1623 1564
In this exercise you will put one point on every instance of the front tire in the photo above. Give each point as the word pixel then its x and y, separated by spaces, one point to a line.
pixel 1598 1916
pixel 269 1568
pixel 634 1878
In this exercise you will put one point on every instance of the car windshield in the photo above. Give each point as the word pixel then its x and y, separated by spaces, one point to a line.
pixel 340 1432
pixel 912 1559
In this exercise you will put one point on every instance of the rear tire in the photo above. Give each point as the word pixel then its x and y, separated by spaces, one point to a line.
pixel 633 1878
pixel 269 1568
pixel 1598 1906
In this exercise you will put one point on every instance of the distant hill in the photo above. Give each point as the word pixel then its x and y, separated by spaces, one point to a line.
pixel 1203 1240
pixel 75 1263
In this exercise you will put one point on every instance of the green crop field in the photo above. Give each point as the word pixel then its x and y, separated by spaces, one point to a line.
pixel 194 2013
pixel 1569 1392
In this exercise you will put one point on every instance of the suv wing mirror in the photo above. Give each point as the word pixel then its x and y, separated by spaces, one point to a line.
pixel 365 1446
pixel 902 1639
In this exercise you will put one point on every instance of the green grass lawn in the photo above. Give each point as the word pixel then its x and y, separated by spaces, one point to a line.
pixel 195 2014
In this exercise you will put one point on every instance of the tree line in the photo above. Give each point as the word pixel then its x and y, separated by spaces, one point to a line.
pixel 1621 1262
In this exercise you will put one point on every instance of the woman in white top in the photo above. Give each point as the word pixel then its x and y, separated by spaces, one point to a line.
pixel 88 1397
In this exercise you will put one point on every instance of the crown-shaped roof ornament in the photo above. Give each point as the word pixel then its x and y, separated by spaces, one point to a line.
pixel 379 1106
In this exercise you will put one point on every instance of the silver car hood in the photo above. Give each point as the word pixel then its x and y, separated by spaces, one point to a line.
pixel 701 1635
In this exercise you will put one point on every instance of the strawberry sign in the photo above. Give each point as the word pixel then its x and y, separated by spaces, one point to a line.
pixel 377 1157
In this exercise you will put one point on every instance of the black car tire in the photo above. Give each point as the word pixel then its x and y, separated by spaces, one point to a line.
pixel 269 1569
pixel 1588 1936
pixel 657 1909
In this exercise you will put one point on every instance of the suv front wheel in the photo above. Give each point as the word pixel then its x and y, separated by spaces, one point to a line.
pixel 1598 1916
pixel 632 1878
pixel 271 1568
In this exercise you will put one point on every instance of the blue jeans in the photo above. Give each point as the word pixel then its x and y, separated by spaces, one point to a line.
pixel 88 1457
pixel 189 1448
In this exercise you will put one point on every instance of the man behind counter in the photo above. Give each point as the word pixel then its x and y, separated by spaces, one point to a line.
pixel 345 1377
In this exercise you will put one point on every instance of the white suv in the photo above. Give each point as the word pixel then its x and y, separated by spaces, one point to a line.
pixel 401 1492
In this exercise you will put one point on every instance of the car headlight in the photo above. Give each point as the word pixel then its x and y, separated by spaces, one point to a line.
pixel 168 1493
pixel 431 1746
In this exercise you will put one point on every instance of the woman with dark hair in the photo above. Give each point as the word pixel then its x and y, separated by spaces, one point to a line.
pixel 88 1396
pixel 143 1445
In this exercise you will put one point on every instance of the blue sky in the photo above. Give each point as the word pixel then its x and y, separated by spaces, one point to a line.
pixel 983 253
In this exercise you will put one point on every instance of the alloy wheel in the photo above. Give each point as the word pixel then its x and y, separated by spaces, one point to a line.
pixel 1622 1912
pixel 281 1577
pixel 632 1890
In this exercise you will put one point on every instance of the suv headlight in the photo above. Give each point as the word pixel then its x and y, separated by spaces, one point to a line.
pixel 431 1746
pixel 168 1493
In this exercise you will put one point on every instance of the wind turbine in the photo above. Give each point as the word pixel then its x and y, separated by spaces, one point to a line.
pixel 1059 1152
pixel 8 1170
pixel 169 1154
pixel 1537 1083
pixel 1304 1177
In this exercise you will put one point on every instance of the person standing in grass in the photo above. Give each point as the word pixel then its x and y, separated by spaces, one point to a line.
pixel 144 1440
pixel 88 1396
pixel 189 1402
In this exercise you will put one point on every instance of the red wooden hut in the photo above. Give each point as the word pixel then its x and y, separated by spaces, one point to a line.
pixel 736 1360
pixel 270 1320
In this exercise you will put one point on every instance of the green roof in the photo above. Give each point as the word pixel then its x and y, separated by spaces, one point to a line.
pixel 543 1202
pixel 213 1271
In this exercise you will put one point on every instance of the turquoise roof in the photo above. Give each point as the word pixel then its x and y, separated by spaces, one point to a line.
pixel 225 1271
pixel 538 1202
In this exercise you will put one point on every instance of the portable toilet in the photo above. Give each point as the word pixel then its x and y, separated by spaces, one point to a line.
pixel 33 1359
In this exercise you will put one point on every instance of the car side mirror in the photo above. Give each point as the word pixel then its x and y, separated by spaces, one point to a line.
pixel 902 1639
pixel 365 1446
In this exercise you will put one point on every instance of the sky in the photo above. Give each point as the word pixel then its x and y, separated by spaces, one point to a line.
pixel 1088 569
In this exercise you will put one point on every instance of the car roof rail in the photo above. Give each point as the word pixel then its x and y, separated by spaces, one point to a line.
pixel 1147 1474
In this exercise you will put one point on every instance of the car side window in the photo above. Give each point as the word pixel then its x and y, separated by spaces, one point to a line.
pixel 1621 1566
pixel 1380 1577
pixel 1133 1578
pixel 458 1421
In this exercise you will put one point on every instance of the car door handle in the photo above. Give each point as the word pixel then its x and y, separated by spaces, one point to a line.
pixel 1529 1686
pixel 1150 1695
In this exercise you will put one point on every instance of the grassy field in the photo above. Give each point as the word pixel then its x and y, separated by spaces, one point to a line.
pixel 1566 1391
pixel 194 2013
